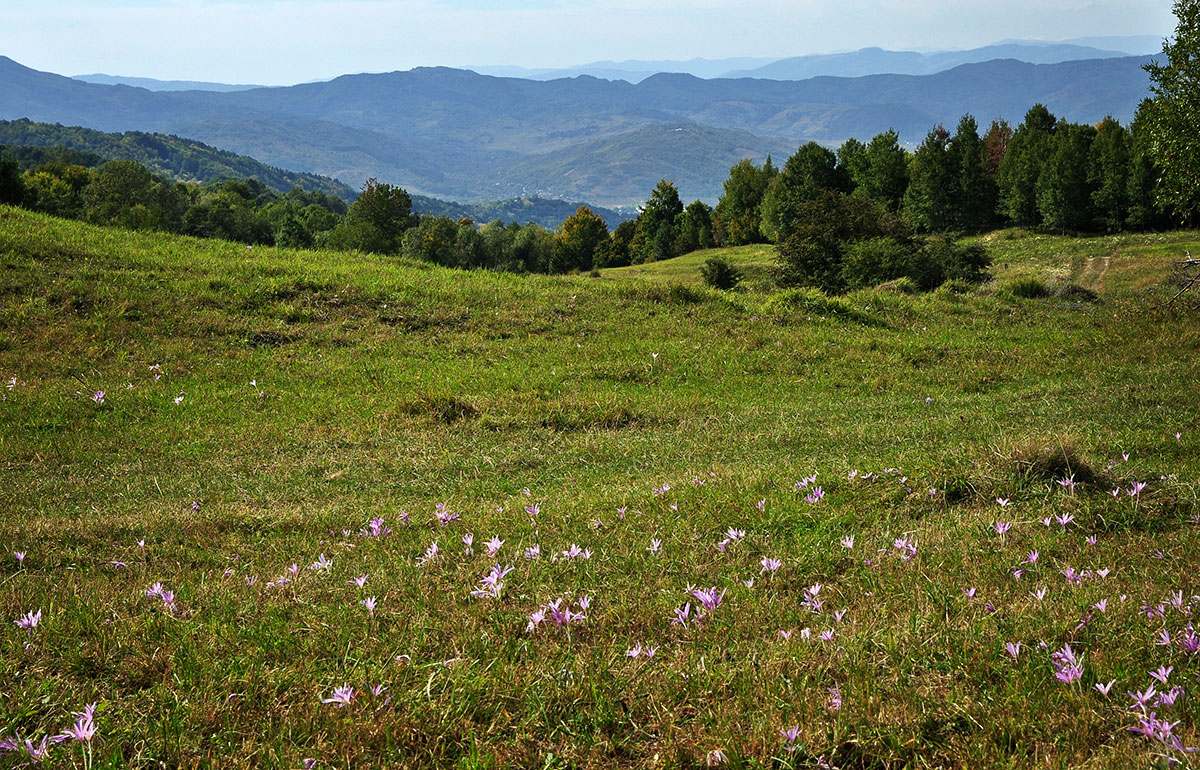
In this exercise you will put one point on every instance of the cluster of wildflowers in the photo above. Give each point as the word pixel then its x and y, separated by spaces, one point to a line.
pixel 375 528
pixel 491 584
pixel 559 614
pixel 156 591
pixel 1068 667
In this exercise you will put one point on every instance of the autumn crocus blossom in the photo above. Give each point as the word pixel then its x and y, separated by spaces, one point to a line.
pixel 341 697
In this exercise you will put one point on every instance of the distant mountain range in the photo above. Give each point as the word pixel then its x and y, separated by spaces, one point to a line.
pixel 866 61
pixel 458 134
pixel 150 84
pixel 874 61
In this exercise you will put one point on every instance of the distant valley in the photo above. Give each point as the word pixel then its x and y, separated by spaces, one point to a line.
pixel 458 134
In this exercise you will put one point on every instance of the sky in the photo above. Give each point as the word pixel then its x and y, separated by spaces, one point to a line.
pixel 282 42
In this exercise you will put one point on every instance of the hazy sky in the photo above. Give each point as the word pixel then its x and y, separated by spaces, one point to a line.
pixel 278 42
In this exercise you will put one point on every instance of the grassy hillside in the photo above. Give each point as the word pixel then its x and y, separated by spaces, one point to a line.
pixel 755 262
pixel 1017 254
pixel 261 406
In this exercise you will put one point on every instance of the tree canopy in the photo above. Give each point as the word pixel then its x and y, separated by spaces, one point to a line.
pixel 1171 113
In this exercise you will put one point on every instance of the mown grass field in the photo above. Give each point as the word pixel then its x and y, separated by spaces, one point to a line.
pixel 262 406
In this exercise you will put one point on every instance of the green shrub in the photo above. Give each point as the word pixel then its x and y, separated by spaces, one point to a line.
pixel 957 261
pixel 719 273
pixel 878 260
pixel 840 243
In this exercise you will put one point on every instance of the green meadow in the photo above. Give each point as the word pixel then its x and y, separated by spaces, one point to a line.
pixel 260 407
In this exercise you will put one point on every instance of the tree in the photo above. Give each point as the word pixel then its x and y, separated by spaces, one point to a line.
pixel 1171 113
pixel 1063 193
pixel 226 213
pixel 657 229
pixel 580 236
pixel 57 189
pixel 739 211
pixel 12 187
pixel 1108 174
pixel 695 227
pixel 1144 210
pixel 814 254
pixel 805 175
pixel 124 193
pixel 617 252
pixel 881 172
pixel 851 158
pixel 931 197
pixel 995 146
pixel 378 218
pixel 1023 161
pixel 975 191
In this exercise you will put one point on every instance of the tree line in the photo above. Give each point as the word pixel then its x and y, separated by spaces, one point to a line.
pixel 1046 173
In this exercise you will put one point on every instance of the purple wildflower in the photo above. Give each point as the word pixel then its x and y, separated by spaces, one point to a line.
pixel 29 620
pixel 342 696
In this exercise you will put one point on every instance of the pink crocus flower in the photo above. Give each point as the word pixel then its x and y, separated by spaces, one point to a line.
pixel 29 620
pixel 430 554
pixel 84 728
pixel 342 696
pixel 790 736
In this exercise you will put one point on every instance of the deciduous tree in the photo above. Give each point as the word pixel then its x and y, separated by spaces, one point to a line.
pixel 1171 113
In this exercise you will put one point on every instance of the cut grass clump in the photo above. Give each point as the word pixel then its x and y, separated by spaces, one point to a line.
pixel 814 302
pixel 1076 293
pixel 903 285
pixel 1028 288
pixel 442 409
pixel 1038 462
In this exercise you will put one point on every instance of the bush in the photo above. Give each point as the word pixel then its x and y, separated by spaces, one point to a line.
pixel 840 243
pixel 719 273
pixel 957 261
pixel 879 260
